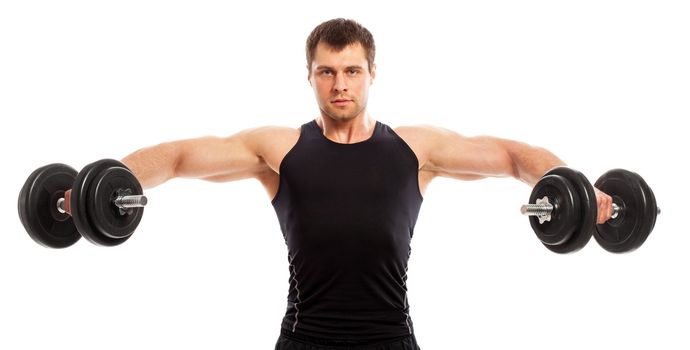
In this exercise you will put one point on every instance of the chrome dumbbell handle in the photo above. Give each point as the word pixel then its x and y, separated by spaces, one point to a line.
pixel 122 202
pixel 542 209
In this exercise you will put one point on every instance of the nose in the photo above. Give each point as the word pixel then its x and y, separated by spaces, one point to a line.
pixel 340 85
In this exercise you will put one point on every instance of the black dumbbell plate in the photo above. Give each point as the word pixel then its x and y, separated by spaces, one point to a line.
pixel 636 220
pixel 565 217
pixel 588 210
pixel 107 218
pixel 85 217
pixel 38 210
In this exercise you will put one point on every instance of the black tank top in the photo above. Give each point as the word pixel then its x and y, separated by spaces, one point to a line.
pixel 347 213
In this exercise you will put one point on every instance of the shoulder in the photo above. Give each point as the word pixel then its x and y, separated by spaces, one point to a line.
pixel 423 131
pixel 432 144
pixel 269 134
pixel 422 139
pixel 267 141
pixel 270 131
pixel 424 136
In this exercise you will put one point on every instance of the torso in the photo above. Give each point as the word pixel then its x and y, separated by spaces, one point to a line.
pixel 286 138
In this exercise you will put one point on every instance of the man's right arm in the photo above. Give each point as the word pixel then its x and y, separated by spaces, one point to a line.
pixel 219 159
pixel 212 158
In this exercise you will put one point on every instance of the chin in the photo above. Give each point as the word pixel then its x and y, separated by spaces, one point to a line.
pixel 338 115
pixel 344 117
pixel 341 115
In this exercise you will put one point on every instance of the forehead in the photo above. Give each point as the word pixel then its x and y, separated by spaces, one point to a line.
pixel 351 55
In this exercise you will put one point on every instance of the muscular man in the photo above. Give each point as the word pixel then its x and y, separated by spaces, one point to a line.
pixel 347 190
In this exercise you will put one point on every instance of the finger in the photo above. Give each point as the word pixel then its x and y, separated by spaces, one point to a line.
pixel 606 209
pixel 609 207
pixel 67 206
pixel 602 210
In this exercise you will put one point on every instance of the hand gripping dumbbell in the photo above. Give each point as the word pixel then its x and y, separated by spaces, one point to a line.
pixel 106 204
pixel 563 210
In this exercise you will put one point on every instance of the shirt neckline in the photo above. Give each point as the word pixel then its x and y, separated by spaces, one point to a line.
pixel 320 132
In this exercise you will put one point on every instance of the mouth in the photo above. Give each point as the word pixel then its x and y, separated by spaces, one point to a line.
pixel 341 102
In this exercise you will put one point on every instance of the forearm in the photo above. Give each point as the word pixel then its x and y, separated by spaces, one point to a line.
pixel 530 163
pixel 153 165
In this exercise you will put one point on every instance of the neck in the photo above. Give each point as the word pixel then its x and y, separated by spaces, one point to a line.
pixel 354 130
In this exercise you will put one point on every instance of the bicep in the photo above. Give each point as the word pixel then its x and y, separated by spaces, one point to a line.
pixel 469 158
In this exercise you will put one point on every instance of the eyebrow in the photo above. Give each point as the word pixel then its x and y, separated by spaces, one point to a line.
pixel 331 68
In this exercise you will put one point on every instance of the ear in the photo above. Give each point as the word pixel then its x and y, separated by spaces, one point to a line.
pixel 372 73
pixel 309 76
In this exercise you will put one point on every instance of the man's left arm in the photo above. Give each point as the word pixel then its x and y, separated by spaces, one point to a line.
pixel 453 155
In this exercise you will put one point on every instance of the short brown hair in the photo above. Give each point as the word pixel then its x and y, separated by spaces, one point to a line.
pixel 339 33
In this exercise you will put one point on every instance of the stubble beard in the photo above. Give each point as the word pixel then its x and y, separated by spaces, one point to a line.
pixel 343 115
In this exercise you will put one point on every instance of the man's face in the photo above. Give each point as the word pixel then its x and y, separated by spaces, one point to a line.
pixel 341 81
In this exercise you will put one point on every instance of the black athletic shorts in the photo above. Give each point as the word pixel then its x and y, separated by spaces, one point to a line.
pixel 291 341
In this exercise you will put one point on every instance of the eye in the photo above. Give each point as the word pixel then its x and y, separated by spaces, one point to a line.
pixel 352 71
pixel 327 72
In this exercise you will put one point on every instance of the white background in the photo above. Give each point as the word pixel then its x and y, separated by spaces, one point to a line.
pixel 602 84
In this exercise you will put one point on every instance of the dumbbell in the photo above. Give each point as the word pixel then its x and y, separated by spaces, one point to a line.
pixel 563 210
pixel 106 204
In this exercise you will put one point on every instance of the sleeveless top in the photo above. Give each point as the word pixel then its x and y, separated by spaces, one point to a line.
pixel 347 213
